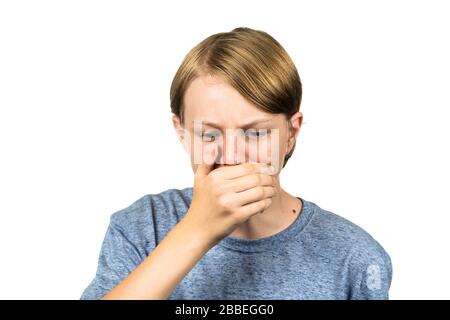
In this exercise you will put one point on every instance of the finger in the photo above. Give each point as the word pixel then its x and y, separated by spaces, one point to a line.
pixel 254 208
pixel 251 181
pixel 232 172
pixel 253 195
pixel 204 168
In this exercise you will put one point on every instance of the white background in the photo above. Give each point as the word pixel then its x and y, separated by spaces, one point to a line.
pixel 85 125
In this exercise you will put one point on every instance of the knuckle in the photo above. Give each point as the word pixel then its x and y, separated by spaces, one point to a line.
pixel 213 175
pixel 261 205
pixel 259 192
pixel 254 180
pixel 223 202
pixel 249 167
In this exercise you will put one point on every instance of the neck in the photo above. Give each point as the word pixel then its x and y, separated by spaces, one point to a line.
pixel 283 211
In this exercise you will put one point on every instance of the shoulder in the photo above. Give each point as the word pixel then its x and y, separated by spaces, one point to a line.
pixel 358 250
pixel 132 233
pixel 151 216
pixel 170 201
pixel 341 233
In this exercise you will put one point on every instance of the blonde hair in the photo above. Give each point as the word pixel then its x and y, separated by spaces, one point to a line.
pixel 252 62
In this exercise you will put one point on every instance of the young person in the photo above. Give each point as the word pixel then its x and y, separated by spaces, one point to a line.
pixel 237 234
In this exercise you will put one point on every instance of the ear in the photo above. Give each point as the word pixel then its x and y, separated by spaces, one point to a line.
pixel 182 133
pixel 294 125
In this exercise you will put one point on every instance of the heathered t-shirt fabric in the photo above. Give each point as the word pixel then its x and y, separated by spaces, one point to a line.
pixel 320 255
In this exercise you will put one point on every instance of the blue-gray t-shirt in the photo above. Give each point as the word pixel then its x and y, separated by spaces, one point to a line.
pixel 319 256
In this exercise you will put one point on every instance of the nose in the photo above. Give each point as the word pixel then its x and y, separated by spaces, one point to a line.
pixel 231 149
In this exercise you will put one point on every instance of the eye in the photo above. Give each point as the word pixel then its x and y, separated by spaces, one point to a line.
pixel 209 135
pixel 253 134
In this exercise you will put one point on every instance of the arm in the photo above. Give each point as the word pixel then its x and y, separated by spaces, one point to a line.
pixel 371 273
pixel 214 213
pixel 165 267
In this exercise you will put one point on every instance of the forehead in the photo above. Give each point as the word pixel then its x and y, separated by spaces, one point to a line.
pixel 212 99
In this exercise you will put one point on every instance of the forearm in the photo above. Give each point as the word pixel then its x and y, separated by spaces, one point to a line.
pixel 166 265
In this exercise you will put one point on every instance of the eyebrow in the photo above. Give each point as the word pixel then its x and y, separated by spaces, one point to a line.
pixel 247 125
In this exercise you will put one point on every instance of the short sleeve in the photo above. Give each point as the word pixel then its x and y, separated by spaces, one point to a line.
pixel 118 258
pixel 370 273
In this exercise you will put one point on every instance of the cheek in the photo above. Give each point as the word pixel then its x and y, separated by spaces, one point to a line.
pixel 270 149
pixel 273 149
pixel 200 150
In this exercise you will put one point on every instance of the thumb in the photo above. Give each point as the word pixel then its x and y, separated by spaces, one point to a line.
pixel 204 168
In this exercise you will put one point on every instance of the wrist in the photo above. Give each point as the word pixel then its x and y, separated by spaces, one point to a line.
pixel 198 236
